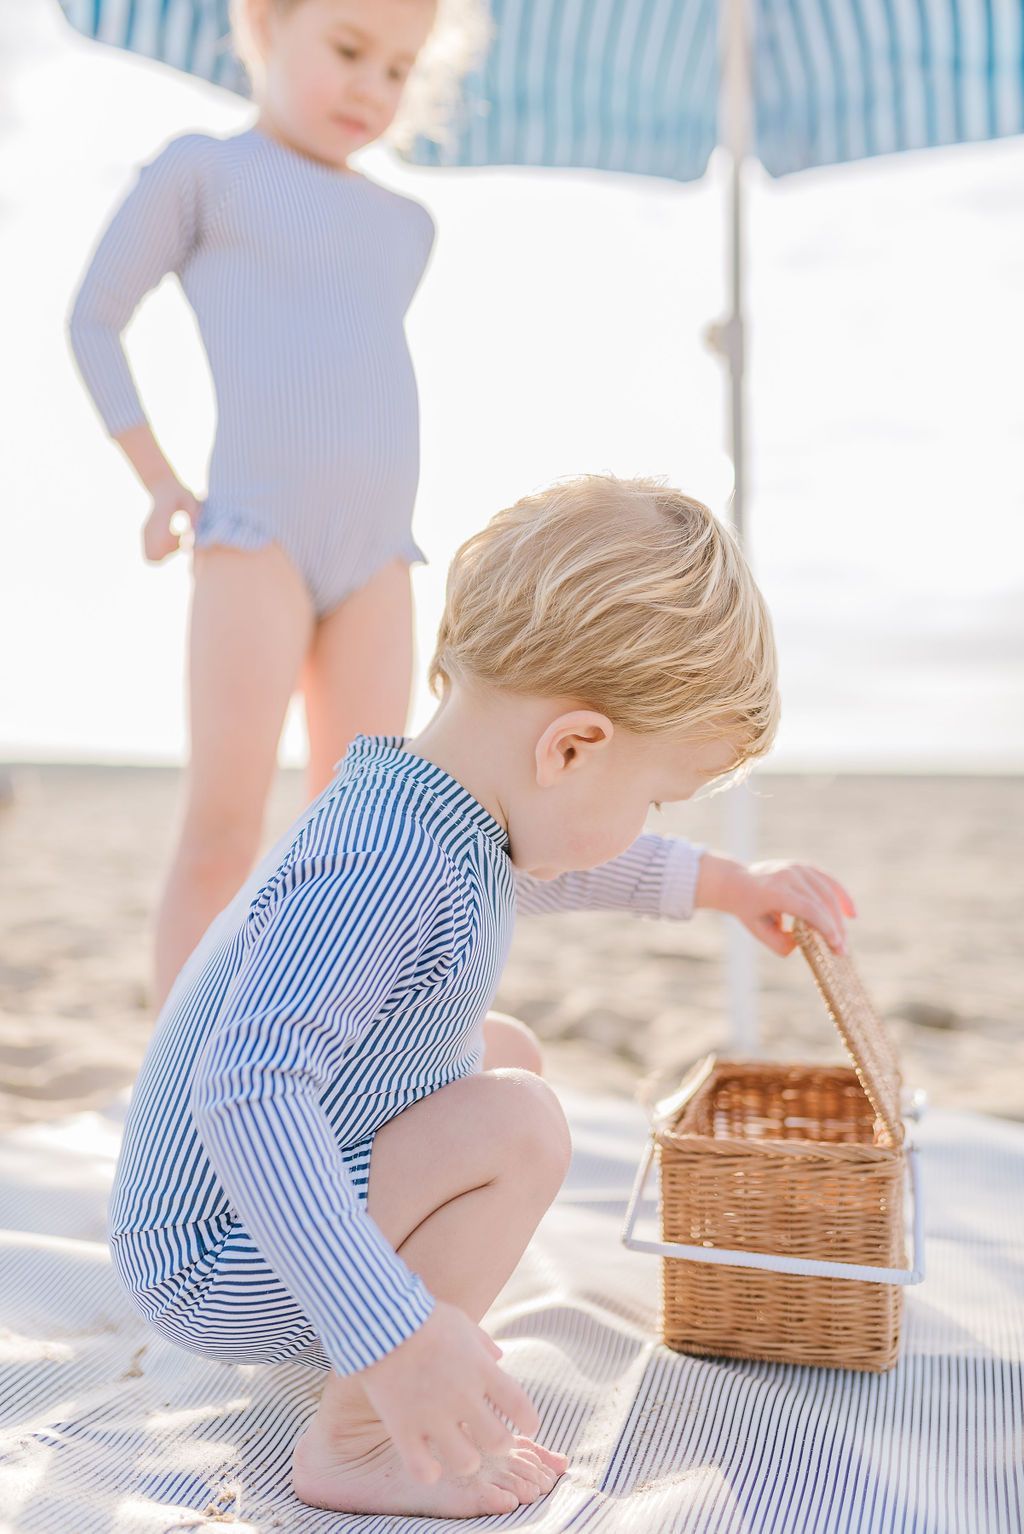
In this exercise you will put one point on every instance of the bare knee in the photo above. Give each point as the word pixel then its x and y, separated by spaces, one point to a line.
pixel 527 1120
pixel 502 1127
pixel 510 1043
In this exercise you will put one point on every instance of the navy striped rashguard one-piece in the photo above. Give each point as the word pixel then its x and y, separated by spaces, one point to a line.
pixel 300 275
pixel 348 979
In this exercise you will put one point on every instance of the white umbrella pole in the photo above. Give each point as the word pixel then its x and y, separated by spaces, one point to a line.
pixel 734 108
pixel 735 98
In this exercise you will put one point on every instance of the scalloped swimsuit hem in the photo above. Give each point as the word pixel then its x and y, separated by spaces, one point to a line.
pixel 327 587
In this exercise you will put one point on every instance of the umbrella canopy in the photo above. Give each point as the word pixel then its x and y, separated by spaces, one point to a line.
pixel 633 85
pixel 190 35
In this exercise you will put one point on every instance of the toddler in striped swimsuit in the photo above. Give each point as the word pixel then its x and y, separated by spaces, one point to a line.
pixel 335 1153
pixel 300 271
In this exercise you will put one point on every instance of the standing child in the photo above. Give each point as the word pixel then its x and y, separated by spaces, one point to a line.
pixel 334 1153
pixel 300 271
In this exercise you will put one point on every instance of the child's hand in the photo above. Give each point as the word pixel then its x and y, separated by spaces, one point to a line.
pixel 442 1383
pixel 169 498
pixel 761 895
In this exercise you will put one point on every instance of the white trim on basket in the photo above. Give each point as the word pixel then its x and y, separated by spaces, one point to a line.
pixel 801 1266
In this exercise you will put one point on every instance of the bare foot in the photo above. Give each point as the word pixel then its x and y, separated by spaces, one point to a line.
pixel 358 1470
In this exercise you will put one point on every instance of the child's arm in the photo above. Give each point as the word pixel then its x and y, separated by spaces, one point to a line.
pixel 151 234
pixel 666 876
pixel 337 936
pixel 324 955
pixel 656 876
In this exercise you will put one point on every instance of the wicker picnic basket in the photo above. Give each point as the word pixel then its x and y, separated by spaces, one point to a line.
pixel 782 1198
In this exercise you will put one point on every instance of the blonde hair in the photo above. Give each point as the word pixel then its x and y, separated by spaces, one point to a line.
pixel 458 40
pixel 624 594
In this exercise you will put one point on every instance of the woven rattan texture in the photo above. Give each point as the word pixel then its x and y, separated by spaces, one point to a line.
pixel 867 1042
pixel 788 1160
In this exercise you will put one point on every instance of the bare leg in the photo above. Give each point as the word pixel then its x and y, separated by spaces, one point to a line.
pixel 508 1042
pixel 250 624
pixel 458 1184
pixel 358 673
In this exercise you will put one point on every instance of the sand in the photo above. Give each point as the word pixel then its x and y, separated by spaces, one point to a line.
pixel 936 865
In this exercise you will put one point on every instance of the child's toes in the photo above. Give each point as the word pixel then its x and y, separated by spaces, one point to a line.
pixel 532 1468
pixel 525 1490
pixel 557 1462
pixel 496 1498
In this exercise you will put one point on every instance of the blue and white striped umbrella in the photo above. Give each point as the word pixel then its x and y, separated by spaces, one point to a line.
pixel 633 85
pixel 191 35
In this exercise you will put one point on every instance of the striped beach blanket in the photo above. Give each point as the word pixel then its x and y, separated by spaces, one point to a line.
pixel 104 1427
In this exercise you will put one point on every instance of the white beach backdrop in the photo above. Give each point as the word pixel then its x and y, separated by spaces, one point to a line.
pixel 559 330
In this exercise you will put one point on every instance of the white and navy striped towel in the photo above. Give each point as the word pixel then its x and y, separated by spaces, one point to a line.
pixel 107 1428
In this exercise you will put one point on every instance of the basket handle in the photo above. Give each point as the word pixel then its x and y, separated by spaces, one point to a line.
pixel 801 1266
pixel 666 1113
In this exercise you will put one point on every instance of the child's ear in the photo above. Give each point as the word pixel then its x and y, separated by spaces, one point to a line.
pixel 569 742
pixel 257 20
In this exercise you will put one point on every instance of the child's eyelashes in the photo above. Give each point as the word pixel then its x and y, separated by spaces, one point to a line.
pixel 352 56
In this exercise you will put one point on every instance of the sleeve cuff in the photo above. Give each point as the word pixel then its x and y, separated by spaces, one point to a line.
pixel 679 879
pixel 384 1302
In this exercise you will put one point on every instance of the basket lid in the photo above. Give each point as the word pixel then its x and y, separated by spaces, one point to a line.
pixel 867 1043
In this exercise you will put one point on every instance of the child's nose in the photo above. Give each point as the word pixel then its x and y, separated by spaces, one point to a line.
pixel 370 88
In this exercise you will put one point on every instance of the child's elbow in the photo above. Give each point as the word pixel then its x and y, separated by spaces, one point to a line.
pixel 80 330
pixel 95 313
pixel 74 326
pixel 221 1085
pixel 199 1101
pixel 208 1095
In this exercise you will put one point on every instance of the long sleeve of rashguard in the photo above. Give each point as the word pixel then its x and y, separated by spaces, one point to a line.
pixel 151 234
pixel 342 935
pixel 656 876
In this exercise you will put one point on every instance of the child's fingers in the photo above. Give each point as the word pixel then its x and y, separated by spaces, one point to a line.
pixel 767 931
pixel 842 894
pixel 803 901
pixel 488 1431
pixel 841 897
pixel 821 887
pixel 458 1454
pixel 416 1456
pixel 512 1401
pixel 489 1344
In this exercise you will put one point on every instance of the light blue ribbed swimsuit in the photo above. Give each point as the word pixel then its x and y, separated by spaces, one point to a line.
pixel 348 979
pixel 300 276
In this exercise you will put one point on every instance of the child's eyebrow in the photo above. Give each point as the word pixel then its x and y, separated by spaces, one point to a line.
pixel 349 26
pixel 364 38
